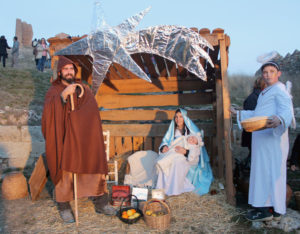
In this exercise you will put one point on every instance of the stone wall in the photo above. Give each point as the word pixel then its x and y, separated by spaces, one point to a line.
pixel 20 146
pixel 24 33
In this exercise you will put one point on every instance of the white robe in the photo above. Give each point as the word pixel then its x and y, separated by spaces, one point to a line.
pixel 270 149
pixel 173 167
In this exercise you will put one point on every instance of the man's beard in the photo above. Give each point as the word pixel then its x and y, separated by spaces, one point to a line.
pixel 68 80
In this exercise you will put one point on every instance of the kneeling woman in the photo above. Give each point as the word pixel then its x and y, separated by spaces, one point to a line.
pixel 187 172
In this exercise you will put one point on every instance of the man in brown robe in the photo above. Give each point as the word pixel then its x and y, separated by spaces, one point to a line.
pixel 74 142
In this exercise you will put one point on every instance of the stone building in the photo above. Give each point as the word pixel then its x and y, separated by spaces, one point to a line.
pixel 24 33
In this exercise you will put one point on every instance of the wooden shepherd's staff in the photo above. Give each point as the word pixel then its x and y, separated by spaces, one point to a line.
pixel 75 174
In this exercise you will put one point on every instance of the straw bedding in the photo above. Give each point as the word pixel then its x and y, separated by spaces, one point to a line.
pixel 190 213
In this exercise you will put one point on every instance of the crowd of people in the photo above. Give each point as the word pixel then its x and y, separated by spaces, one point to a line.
pixel 41 54
pixel 40 51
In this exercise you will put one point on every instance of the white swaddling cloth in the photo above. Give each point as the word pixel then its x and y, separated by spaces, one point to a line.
pixel 165 160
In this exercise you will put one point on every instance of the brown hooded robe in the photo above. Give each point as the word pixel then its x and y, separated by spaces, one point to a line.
pixel 74 141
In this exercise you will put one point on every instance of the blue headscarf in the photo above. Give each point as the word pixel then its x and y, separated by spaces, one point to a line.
pixel 169 136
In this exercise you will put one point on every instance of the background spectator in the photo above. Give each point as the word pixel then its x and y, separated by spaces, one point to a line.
pixel 250 104
pixel 295 156
pixel 3 51
pixel 42 50
pixel 15 52
pixel 34 44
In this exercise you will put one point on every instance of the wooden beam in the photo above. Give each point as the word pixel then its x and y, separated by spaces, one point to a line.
pixel 150 65
pixel 125 101
pixel 171 68
pixel 114 73
pixel 161 65
pixel 138 59
pixel 182 72
pixel 138 143
pixel 230 190
pixel 150 130
pixel 220 128
pixel 142 86
pixel 157 142
pixel 212 39
pixel 127 115
pixel 123 71
pixel 148 143
pixel 123 145
pixel 204 31
pixel 112 151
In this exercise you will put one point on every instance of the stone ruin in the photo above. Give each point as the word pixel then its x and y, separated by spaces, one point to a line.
pixel 24 33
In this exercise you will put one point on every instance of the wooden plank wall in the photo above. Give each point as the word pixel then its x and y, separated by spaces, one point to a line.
pixel 142 109
pixel 134 108
pixel 138 113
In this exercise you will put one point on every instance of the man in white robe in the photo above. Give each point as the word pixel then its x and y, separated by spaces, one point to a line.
pixel 269 147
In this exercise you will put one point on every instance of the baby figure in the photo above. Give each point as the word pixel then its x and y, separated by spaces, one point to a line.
pixel 194 143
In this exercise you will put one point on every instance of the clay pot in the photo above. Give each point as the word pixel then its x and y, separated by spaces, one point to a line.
pixel 14 186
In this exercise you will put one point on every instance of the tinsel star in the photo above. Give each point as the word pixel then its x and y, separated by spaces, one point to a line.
pixel 115 44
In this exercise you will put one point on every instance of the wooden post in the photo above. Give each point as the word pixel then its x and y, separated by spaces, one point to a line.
pixel 220 129
pixel 230 190
pixel 75 175
pixel 75 198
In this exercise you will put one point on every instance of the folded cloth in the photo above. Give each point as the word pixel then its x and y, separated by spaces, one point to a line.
pixel 142 169
pixel 165 163
pixel 165 160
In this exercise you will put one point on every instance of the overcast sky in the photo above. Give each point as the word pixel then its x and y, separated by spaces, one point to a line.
pixel 255 27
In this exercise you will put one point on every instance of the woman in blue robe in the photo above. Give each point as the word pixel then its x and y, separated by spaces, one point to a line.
pixel 184 177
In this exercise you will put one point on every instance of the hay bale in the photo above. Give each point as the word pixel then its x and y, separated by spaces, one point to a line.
pixel 14 186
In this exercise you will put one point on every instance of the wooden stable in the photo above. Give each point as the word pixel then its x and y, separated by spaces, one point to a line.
pixel 138 113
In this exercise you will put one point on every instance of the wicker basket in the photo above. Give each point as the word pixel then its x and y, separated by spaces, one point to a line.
pixel 297 198
pixel 14 186
pixel 161 222
pixel 255 123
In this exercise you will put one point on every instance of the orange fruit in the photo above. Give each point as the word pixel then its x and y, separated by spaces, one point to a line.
pixel 133 211
pixel 129 212
pixel 125 216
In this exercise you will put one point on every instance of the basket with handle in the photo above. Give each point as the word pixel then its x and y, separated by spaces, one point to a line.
pixel 157 214
pixel 125 209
